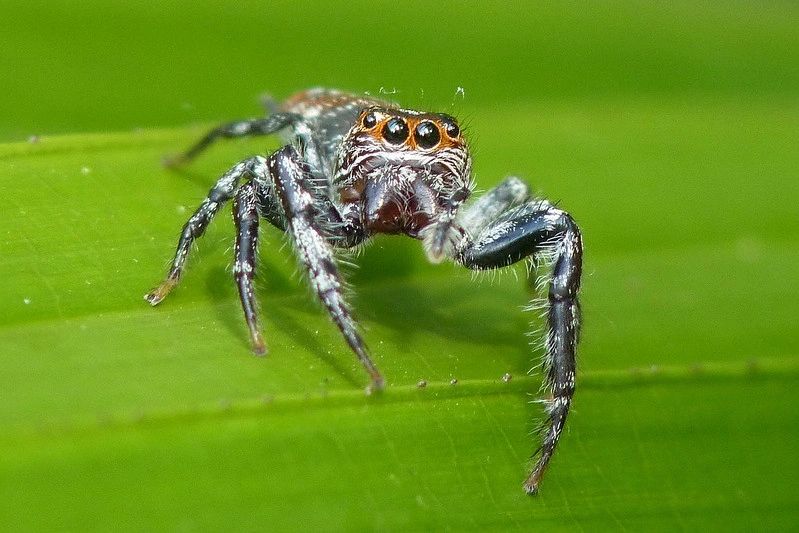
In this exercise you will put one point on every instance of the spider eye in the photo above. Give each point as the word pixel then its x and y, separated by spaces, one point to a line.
pixel 395 131
pixel 451 127
pixel 369 120
pixel 426 134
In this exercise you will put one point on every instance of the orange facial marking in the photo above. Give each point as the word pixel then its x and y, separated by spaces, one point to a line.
pixel 376 131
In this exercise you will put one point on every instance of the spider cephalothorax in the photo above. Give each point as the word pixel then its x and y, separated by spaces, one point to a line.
pixel 409 172
pixel 356 166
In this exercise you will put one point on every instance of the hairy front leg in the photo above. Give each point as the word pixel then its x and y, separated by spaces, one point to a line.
pixel 537 229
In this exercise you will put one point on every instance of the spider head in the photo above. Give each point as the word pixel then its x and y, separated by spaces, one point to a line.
pixel 409 172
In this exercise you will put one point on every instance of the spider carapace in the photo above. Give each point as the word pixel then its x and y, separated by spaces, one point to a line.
pixel 354 166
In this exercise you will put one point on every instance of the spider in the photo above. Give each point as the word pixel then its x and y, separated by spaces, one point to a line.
pixel 355 166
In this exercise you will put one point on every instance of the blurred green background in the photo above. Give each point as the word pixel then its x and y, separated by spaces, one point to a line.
pixel 91 66
pixel 669 130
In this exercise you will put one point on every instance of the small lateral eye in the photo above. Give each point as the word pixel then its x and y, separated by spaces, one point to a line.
pixel 395 131
pixel 451 127
pixel 369 120
pixel 426 134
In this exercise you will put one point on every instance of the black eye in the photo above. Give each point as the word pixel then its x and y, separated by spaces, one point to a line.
pixel 395 131
pixel 450 126
pixel 369 120
pixel 427 135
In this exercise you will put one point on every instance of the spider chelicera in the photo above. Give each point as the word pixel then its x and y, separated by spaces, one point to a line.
pixel 355 166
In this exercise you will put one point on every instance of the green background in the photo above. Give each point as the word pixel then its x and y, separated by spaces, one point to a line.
pixel 669 131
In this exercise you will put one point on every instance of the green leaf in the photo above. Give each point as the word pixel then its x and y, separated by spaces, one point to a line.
pixel 119 415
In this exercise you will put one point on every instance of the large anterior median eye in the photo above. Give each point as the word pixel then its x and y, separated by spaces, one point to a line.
pixel 395 131
pixel 426 134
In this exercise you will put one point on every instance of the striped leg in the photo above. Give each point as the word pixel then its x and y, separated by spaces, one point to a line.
pixel 294 187
pixel 245 216
pixel 221 192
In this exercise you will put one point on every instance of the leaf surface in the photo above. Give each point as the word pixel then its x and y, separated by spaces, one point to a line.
pixel 115 412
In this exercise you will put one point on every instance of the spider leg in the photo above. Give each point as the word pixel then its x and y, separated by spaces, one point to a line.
pixel 245 216
pixel 536 229
pixel 270 104
pixel 221 192
pixel 511 192
pixel 294 186
pixel 240 128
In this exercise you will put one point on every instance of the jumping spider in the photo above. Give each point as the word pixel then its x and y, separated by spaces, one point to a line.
pixel 354 166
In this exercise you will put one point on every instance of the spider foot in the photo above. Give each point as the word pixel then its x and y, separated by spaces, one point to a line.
pixel 155 296
pixel 258 344
pixel 174 161
pixel 531 483
pixel 375 387
pixel 377 384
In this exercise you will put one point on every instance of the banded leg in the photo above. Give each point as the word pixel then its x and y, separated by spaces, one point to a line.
pixel 294 186
pixel 241 128
pixel 220 193
pixel 535 229
pixel 245 216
